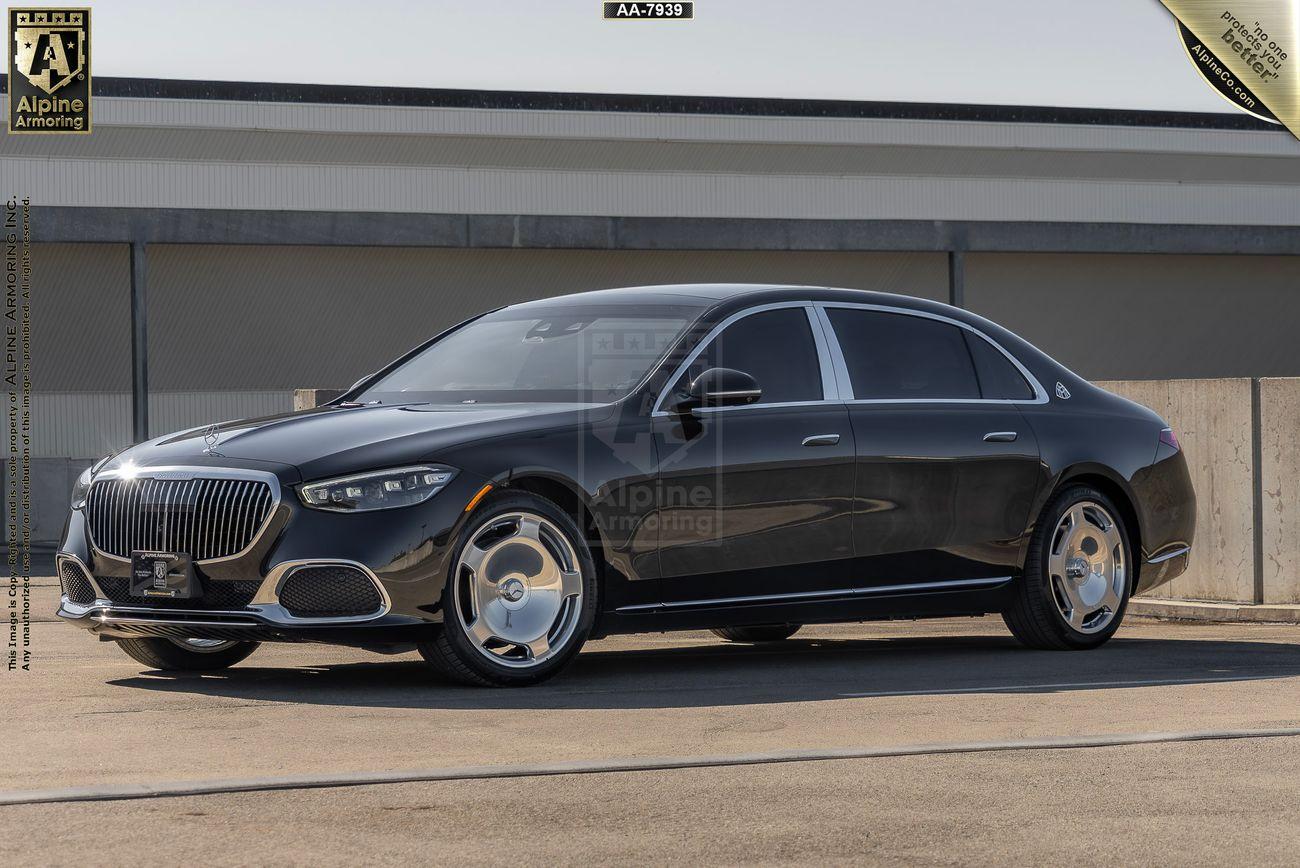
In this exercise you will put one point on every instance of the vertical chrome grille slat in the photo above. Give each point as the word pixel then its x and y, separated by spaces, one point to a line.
pixel 206 517
pixel 201 505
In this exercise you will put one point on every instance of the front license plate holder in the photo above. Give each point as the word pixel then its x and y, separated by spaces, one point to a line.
pixel 169 575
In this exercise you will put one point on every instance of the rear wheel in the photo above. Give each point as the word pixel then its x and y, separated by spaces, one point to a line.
pixel 521 597
pixel 1077 574
pixel 758 633
pixel 187 655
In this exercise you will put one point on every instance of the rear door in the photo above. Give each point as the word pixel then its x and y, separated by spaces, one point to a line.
pixel 946 465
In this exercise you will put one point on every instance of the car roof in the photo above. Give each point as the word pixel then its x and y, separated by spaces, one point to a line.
pixel 708 295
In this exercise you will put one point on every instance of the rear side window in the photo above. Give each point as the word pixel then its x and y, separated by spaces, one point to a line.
pixel 775 347
pixel 998 377
pixel 899 357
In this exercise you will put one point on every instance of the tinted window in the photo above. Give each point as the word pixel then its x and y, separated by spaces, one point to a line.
pixel 775 347
pixel 998 377
pixel 531 353
pixel 895 356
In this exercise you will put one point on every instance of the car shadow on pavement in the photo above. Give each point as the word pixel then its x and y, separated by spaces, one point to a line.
pixel 796 670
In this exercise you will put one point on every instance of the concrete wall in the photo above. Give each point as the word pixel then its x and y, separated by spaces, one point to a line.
pixel 1279 410
pixel 1212 419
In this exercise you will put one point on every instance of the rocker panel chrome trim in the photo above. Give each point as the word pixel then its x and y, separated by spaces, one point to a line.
pixel 812 596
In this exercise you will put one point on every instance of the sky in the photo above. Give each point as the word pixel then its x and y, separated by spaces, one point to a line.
pixel 1099 53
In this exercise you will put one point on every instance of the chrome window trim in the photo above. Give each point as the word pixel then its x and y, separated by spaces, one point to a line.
pixel 267 599
pixel 830 391
pixel 812 596
pixel 846 385
pixel 182 473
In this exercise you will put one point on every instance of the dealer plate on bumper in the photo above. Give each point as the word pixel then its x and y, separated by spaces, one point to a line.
pixel 163 574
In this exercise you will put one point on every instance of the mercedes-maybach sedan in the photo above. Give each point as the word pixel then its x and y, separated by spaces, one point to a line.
pixel 745 459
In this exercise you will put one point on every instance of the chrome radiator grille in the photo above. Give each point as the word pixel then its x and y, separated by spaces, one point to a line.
pixel 204 518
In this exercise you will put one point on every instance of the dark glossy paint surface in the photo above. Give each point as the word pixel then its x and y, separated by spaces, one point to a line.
pixel 689 511
pixel 739 492
pixel 929 484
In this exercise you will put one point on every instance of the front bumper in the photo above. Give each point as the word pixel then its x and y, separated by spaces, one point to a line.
pixel 404 552
pixel 263 620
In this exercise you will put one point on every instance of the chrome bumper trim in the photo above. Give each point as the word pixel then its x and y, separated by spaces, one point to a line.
pixel 1170 555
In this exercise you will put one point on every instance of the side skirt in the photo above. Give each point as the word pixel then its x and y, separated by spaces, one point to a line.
pixel 930 600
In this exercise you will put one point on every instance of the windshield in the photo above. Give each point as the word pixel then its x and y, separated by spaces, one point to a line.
pixel 565 354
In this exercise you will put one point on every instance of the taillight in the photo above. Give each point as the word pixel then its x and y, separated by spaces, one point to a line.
pixel 1168 438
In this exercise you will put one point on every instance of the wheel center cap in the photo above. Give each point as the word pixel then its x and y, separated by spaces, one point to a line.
pixel 1076 569
pixel 512 590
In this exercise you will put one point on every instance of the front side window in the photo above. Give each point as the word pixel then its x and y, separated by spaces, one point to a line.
pixel 775 347
pixel 532 354
pixel 899 357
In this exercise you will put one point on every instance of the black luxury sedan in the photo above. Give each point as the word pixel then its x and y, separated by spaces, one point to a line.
pixel 745 459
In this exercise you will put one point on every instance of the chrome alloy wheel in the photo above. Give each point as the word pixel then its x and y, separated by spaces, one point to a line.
pixel 203 646
pixel 1087 567
pixel 518 590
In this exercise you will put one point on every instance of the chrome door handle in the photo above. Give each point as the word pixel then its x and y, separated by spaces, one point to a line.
pixel 821 440
pixel 1000 437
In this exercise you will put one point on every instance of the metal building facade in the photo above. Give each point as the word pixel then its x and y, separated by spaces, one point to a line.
pixel 255 238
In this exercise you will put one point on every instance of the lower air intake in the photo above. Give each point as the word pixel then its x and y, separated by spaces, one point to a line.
pixel 76 587
pixel 329 591
pixel 217 595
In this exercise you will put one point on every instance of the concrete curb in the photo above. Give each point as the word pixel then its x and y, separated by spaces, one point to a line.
pixel 1228 613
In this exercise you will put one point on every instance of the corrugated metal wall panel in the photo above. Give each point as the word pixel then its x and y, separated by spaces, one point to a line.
pixel 620 155
pixel 319 317
pixel 177 411
pixel 311 117
pixel 92 424
pixel 1112 316
pixel 483 191
pixel 80 424
pixel 81 317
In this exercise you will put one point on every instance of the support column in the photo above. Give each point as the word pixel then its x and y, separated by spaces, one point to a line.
pixel 957 278
pixel 139 345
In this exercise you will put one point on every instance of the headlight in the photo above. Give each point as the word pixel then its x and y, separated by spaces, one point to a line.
pixel 82 487
pixel 383 489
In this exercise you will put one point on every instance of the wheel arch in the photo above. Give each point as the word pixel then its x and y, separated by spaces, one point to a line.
pixel 1117 489
pixel 569 497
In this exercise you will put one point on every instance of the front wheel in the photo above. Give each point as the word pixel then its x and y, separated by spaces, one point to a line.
pixel 186 655
pixel 1077 574
pixel 520 598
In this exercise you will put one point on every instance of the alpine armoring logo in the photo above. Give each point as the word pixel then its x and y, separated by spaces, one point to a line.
pixel 49 71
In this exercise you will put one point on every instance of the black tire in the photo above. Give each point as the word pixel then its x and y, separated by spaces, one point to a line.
pixel 455 655
pixel 1033 615
pixel 758 633
pixel 168 655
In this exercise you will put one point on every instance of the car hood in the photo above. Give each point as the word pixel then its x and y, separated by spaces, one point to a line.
pixel 330 441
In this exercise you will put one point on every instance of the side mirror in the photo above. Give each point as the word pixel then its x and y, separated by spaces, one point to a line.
pixel 720 387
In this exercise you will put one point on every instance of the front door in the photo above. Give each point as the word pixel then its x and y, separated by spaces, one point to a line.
pixel 757 500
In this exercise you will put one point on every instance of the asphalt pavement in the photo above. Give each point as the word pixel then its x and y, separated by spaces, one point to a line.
pixel 1175 743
